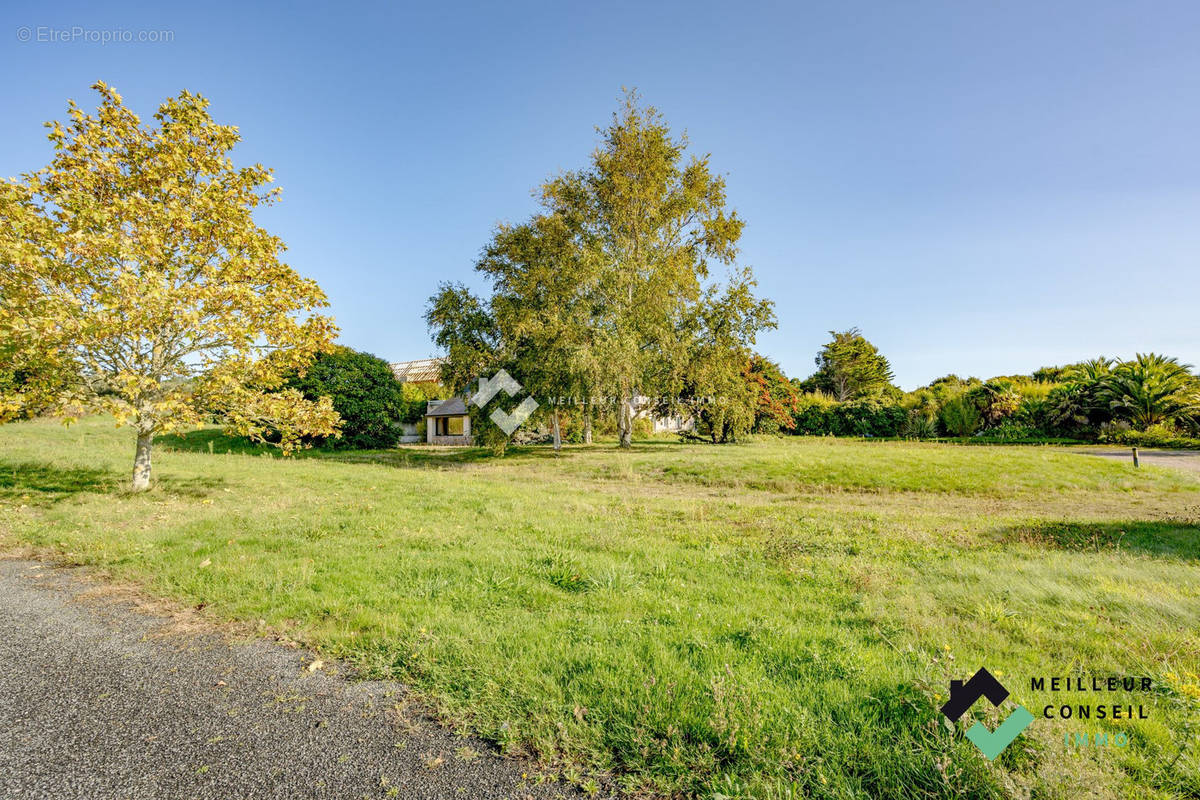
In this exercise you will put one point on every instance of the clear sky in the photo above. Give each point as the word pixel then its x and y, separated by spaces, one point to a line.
pixel 983 188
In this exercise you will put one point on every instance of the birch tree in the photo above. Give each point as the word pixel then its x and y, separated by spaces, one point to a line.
pixel 653 221
pixel 606 290
pixel 543 283
pixel 136 282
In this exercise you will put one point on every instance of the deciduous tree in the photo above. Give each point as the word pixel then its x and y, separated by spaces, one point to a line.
pixel 777 398
pixel 652 221
pixel 543 285
pixel 711 384
pixel 136 281
pixel 606 290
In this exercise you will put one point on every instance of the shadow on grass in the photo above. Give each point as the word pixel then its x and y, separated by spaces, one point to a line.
pixel 214 441
pixel 36 483
pixel 211 440
pixel 1172 538
pixel 41 484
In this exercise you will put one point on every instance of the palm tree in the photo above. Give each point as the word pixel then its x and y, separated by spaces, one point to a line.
pixel 1075 406
pixel 1151 390
pixel 1090 371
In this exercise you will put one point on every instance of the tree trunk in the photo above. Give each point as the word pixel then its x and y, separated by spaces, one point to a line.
pixel 557 432
pixel 587 422
pixel 625 419
pixel 620 421
pixel 141 462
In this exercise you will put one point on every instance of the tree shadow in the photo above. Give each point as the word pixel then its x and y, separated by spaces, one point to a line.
pixel 167 483
pixel 418 456
pixel 211 440
pixel 216 442
pixel 1167 539
pixel 41 484
pixel 36 483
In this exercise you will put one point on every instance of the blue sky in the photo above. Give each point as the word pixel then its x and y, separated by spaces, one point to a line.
pixel 983 188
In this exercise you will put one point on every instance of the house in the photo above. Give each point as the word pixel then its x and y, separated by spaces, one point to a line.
pixel 423 370
pixel 447 422
pixel 670 424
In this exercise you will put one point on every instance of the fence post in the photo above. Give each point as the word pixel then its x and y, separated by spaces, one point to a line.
pixel 1135 458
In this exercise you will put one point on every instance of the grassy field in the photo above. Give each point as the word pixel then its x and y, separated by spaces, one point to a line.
pixel 775 619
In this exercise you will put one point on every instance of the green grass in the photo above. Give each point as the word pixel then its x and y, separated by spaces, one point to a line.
pixel 775 619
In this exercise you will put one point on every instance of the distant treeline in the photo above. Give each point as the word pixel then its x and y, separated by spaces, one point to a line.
pixel 1149 399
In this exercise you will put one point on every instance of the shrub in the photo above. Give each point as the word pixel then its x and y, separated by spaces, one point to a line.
pixel 871 418
pixel 996 400
pixel 919 426
pixel 960 417
pixel 365 393
pixel 1012 430
pixel 812 414
pixel 1154 436
pixel 819 415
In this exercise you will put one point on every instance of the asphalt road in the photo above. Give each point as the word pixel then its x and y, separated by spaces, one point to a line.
pixel 1180 459
pixel 99 699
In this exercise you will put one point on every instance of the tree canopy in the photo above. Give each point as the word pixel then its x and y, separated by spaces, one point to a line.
pixel 364 393
pixel 1150 390
pixel 137 282
pixel 606 290
pixel 850 367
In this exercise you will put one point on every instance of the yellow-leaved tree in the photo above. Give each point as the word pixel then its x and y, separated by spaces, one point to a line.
pixel 136 282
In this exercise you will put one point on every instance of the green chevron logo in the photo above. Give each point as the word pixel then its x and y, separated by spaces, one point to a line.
pixel 963 696
pixel 992 743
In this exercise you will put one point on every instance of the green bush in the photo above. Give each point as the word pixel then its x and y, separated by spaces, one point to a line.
pixel 1013 430
pixel 819 415
pixel 919 426
pixel 996 400
pixel 960 417
pixel 365 393
pixel 1154 436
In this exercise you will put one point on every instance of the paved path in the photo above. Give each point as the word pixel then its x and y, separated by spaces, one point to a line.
pixel 1180 459
pixel 100 700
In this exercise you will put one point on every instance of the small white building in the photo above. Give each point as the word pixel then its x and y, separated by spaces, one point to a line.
pixel 447 422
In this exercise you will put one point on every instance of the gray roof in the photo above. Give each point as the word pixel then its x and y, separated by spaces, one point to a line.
pixel 454 407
